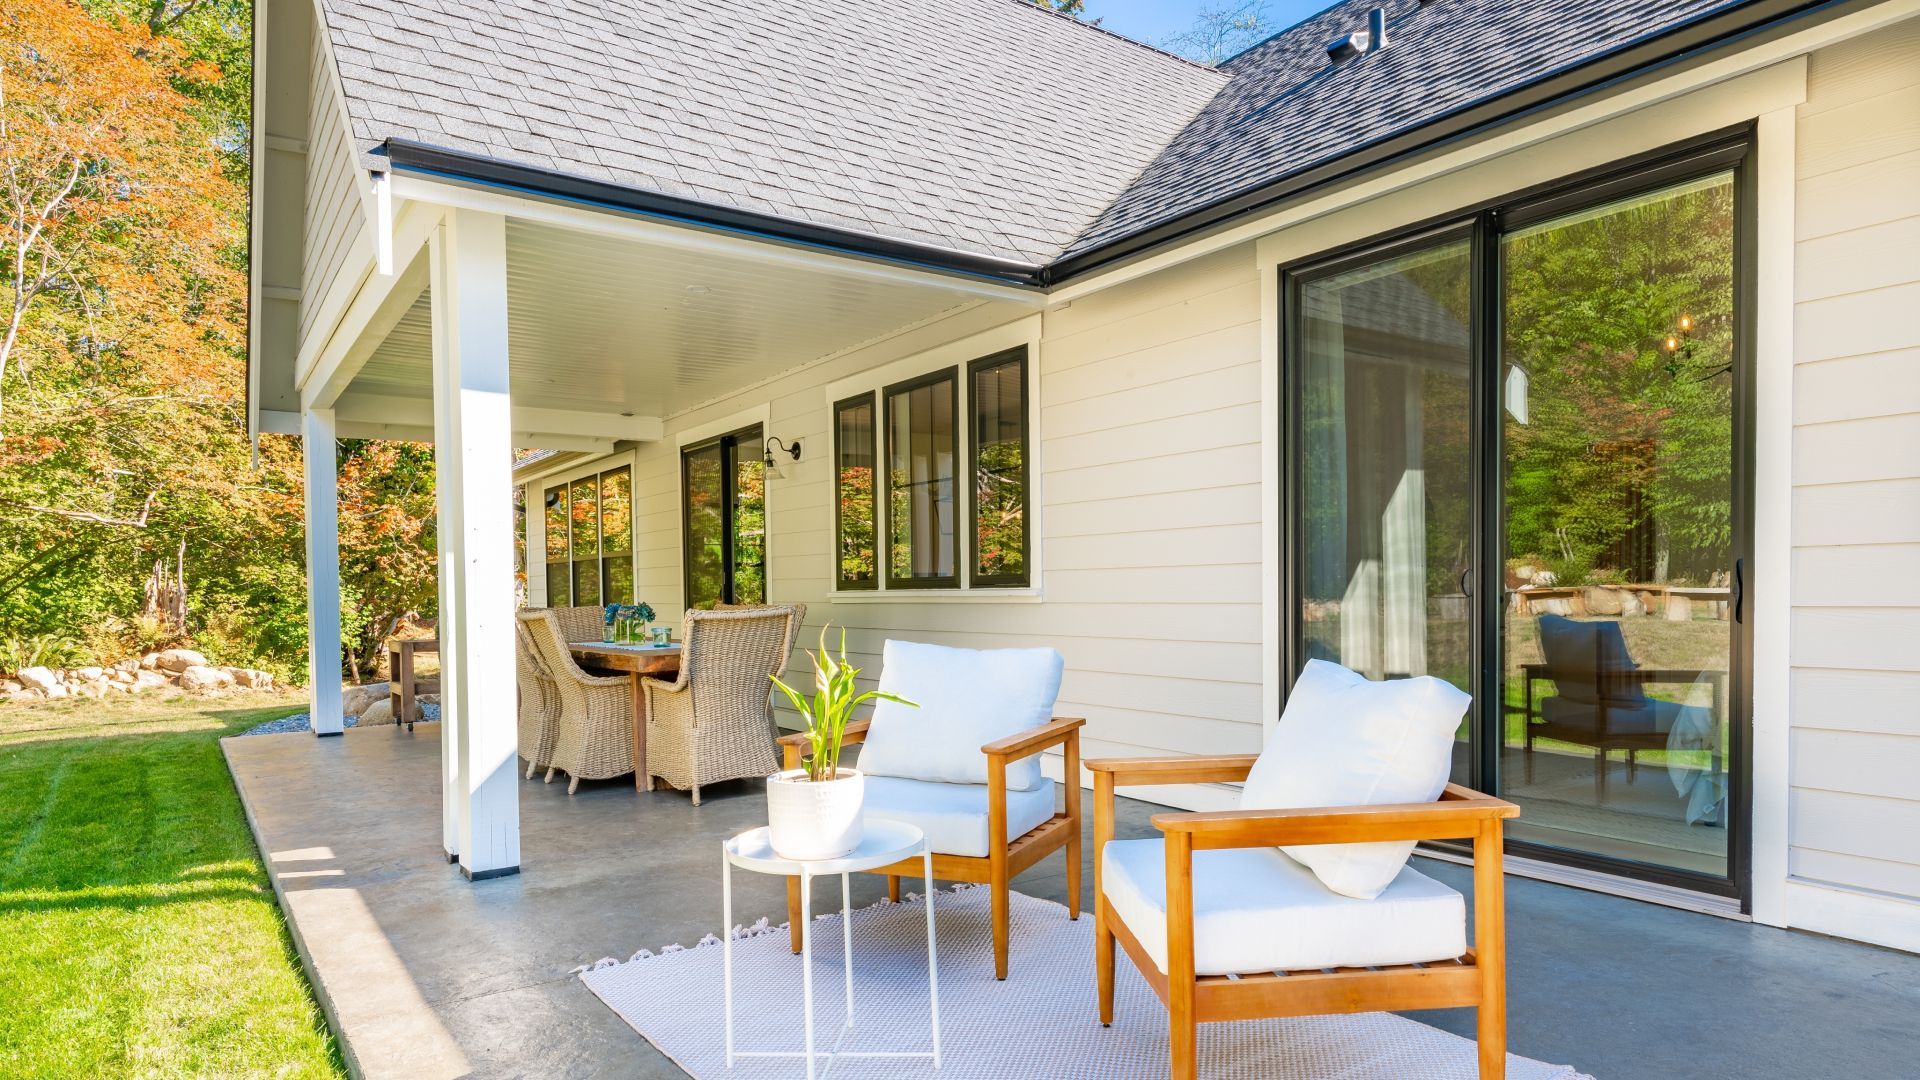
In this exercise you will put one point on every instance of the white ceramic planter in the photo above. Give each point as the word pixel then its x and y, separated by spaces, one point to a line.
pixel 809 820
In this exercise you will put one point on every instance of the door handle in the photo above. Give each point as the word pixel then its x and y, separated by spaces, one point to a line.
pixel 1739 590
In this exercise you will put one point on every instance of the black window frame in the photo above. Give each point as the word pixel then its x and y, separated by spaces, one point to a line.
pixel 1729 150
pixel 599 558
pixel 867 400
pixel 729 443
pixel 951 376
pixel 1017 356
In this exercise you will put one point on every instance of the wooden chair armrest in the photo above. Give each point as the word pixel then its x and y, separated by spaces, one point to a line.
pixel 1027 743
pixel 1216 769
pixel 1458 814
pixel 794 744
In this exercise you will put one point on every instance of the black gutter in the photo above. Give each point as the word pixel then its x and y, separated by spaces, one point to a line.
pixel 1668 47
pixel 415 157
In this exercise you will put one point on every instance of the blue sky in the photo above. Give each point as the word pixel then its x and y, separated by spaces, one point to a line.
pixel 1153 21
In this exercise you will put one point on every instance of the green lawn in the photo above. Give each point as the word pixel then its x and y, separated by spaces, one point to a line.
pixel 138 934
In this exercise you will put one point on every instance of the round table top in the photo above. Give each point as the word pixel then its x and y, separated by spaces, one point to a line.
pixel 882 843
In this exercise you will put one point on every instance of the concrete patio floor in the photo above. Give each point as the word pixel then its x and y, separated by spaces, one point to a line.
pixel 425 975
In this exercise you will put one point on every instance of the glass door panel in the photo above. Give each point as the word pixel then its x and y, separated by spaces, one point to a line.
pixel 1385 483
pixel 1617 509
pixel 616 536
pixel 749 519
pixel 703 483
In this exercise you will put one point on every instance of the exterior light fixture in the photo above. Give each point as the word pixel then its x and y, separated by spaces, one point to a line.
pixel 773 466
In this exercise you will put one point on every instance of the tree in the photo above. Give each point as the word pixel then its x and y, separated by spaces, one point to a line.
pixel 1074 8
pixel 1221 32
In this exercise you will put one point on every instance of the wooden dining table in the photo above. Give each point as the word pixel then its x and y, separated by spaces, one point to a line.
pixel 636 662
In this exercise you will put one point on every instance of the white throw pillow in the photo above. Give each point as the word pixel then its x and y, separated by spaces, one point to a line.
pixel 967 698
pixel 1345 741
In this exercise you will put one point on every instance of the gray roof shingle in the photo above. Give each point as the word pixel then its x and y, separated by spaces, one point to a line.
pixel 956 110
pixel 1289 108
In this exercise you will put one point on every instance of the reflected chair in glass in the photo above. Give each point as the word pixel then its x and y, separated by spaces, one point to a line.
pixel 1599 699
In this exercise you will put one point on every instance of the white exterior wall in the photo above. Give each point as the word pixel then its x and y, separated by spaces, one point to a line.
pixel 1855 652
pixel 335 219
pixel 1148 503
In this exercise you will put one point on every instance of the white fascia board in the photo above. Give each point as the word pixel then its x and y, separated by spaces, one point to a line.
pixel 1580 114
pixel 640 229
pixel 545 429
pixel 327 365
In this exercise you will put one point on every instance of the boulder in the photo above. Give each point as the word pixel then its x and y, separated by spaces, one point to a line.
pixel 87 674
pixel 179 660
pixel 38 678
pixel 8 686
pixel 378 713
pixel 202 677
pixel 250 677
pixel 129 666
pixel 90 689
pixel 120 677
pixel 1603 601
pixel 54 691
pixel 25 694
pixel 150 661
pixel 354 700
pixel 148 680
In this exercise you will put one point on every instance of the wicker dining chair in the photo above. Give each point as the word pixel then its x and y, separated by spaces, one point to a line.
pixel 793 640
pixel 713 722
pixel 594 737
pixel 539 703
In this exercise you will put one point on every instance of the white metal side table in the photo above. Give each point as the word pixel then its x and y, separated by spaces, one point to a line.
pixel 884 843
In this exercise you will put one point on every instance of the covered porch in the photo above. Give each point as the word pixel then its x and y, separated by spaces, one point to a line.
pixel 425 975
pixel 492 323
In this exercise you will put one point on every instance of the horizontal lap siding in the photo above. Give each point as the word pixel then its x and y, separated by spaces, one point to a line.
pixel 1855 750
pixel 334 221
pixel 1148 478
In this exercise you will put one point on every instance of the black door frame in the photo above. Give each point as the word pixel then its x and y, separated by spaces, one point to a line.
pixel 729 445
pixel 1729 150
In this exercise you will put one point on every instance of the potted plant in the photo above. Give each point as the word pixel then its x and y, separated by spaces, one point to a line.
pixel 813 812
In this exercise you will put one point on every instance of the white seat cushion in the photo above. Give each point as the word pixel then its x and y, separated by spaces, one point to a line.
pixel 954 816
pixel 1345 741
pixel 1256 910
pixel 967 698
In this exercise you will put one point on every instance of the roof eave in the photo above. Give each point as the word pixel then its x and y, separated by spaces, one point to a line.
pixel 405 155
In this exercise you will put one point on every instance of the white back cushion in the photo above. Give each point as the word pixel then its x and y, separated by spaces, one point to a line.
pixel 1345 741
pixel 967 698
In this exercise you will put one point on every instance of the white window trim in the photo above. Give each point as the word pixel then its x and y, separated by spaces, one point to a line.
pixel 954 355
pixel 537 594
pixel 761 414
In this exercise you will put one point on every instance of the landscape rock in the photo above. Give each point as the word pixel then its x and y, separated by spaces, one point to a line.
pixel 120 677
pixel 355 700
pixel 250 677
pixel 202 677
pixel 25 694
pixel 54 691
pixel 129 665
pixel 1603 601
pixel 38 678
pixel 87 674
pixel 8 686
pixel 90 689
pixel 378 713
pixel 150 661
pixel 148 680
pixel 179 660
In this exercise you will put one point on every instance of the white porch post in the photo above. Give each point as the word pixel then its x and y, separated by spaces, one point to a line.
pixel 473 456
pixel 321 476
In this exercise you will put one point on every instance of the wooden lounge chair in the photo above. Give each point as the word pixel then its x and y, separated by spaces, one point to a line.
pixel 1368 979
pixel 1004 858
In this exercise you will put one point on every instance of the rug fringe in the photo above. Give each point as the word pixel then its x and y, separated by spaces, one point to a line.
pixel 760 928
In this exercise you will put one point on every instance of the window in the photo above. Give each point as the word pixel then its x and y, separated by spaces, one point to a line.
pixel 999 458
pixel 853 494
pixel 923 451
pixel 589 526
pixel 915 507
pixel 724 514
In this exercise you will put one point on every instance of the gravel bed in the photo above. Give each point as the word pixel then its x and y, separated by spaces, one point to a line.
pixel 302 722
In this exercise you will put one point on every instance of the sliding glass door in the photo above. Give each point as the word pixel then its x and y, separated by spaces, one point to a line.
pixel 724 513
pixel 1514 462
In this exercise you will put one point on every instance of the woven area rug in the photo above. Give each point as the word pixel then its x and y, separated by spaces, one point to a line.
pixel 1040 1023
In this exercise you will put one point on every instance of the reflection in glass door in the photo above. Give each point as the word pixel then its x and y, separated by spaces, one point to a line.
pixel 1617 514
pixel 1383 388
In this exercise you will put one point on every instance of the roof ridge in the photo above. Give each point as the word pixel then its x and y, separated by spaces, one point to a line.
pixel 1095 27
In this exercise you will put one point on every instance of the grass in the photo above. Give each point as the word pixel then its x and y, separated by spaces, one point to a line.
pixel 138 933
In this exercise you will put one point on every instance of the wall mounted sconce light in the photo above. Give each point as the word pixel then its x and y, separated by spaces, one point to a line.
pixel 773 466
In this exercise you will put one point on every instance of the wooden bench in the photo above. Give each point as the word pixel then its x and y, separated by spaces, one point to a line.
pixel 404 688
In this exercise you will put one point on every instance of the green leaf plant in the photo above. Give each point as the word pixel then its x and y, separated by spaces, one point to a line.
pixel 826 715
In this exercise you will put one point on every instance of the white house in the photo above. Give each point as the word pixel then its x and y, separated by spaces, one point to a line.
pixel 1494 340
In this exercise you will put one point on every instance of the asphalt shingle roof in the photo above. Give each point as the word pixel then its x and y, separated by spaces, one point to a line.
pixel 983 126
pixel 1290 108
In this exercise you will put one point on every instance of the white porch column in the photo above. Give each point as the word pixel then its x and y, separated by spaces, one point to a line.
pixel 473 455
pixel 321 476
